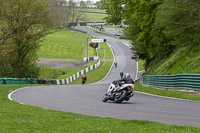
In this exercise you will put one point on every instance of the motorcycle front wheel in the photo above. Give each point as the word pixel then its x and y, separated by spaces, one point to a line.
pixel 121 97
pixel 105 98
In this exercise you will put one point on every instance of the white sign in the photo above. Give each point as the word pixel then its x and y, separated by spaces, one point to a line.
pixel 97 40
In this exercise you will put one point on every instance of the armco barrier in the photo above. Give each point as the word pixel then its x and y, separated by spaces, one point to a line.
pixel 18 81
pixel 1 81
pixel 179 81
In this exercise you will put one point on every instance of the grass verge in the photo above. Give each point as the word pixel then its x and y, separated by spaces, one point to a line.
pixel 95 17
pixel 195 95
pixel 24 118
pixel 141 65
pixel 68 72
pixel 65 44
pixel 97 74
pixel 95 10
pixel 57 73
pixel 184 60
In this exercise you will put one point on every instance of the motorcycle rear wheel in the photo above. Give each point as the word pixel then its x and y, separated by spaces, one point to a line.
pixel 121 97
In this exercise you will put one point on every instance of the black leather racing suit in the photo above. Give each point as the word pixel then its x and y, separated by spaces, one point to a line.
pixel 127 80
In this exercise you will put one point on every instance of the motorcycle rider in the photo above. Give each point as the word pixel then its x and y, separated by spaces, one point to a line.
pixel 117 86
pixel 127 79
pixel 121 74
pixel 84 79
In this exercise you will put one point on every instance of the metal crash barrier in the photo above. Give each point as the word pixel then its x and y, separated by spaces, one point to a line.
pixel 18 81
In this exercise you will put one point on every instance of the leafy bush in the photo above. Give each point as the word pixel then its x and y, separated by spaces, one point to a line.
pixel 48 73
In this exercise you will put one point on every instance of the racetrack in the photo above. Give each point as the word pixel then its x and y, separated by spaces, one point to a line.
pixel 86 99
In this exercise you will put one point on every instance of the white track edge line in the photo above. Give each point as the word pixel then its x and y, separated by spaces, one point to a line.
pixel 10 94
pixel 165 97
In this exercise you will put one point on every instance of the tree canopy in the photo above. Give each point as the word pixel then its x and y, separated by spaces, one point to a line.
pixel 157 28
pixel 22 25
pixel 64 12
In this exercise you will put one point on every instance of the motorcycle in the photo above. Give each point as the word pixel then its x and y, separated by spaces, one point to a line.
pixel 119 92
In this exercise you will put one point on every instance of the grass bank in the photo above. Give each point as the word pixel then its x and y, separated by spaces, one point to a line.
pixel 24 118
pixel 57 73
pixel 184 60
pixel 95 15
pixel 95 10
pixel 141 65
pixel 65 44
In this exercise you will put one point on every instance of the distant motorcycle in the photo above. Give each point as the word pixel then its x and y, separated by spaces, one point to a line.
pixel 118 93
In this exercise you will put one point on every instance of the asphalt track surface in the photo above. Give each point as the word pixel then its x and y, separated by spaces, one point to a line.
pixel 87 99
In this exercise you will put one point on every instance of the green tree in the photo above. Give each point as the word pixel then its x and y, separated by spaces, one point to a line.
pixel 179 21
pixel 64 12
pixel 98 4
pixel 23 24
pixel 157 28
pixel 114 10
pixel 145 15
pixel 176 26
pixel 140 15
